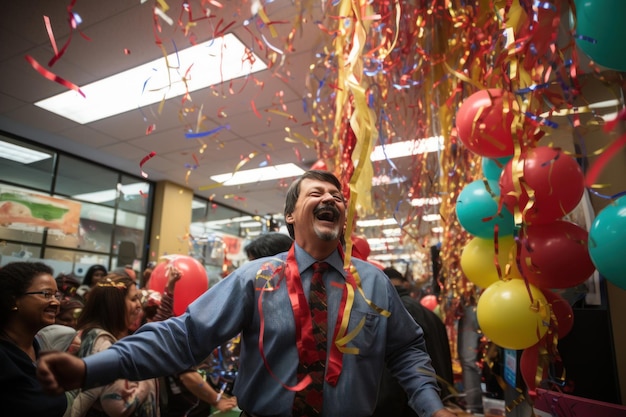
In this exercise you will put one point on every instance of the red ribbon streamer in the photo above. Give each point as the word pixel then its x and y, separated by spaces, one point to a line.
pixel 305 343
pixel 53 77
pixel 605 157
pixel 144 160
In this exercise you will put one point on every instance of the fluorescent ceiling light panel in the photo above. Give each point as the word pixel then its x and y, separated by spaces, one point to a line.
pixel 382 240
pixel 407 148
pixel 248 225
pixel 209 63
pixel 222 222
pixel 111 194
pixel 21 154
pixel 387 180
pixel 376 222
pixel 395 231
pixel 431 201
pixel 259 174
pixel 197 204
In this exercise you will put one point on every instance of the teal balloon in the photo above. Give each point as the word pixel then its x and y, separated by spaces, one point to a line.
pixel 477 208
pixel 607 242
pixel 492 167
pixel 600 31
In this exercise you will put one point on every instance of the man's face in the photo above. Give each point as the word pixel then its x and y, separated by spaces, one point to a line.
pixel 319 213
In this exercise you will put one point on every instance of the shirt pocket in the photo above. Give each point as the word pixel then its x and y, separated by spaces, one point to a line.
pixel 365 339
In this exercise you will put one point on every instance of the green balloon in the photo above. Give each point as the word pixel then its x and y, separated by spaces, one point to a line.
pixel 601 31
pixel 477 210
pixel 492 167
pixel 607 242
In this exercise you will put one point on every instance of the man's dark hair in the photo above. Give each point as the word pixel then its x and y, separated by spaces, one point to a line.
pixel 268 244
pixel 294 191
pixel 393 273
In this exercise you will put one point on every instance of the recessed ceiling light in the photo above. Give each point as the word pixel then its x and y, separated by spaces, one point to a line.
pixel 191 69
pixel 249 225
pixel 431 201
pixel 273 172
pixel 382 240
pixel 21 154
pixel 126 190
pixel 407 148
pixel 376 222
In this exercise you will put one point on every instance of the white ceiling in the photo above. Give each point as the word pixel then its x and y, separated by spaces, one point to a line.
pixel 121 142
pixel 115 27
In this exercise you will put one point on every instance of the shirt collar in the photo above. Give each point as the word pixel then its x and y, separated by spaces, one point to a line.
pixel 305 260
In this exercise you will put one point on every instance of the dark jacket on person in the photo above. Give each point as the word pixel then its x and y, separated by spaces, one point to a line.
pixel 392 400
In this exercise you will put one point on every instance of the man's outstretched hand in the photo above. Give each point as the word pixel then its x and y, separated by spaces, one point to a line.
pixel 59 372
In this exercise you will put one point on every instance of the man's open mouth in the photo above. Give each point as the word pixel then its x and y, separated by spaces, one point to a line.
pixel 327 213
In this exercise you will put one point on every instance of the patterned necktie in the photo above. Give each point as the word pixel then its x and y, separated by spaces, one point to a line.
pixel 308 401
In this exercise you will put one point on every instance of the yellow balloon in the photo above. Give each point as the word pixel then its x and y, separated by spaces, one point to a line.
pixel 478 265
pixel 508 317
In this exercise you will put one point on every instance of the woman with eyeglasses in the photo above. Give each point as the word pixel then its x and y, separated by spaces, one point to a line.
pixel 110 311
pixel 29 301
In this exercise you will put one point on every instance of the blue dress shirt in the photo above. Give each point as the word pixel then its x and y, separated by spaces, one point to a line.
pixel 232 306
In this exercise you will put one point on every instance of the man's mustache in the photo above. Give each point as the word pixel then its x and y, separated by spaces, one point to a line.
pixel 327 207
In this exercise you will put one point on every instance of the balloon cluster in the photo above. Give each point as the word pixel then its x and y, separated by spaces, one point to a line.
pixel 521 247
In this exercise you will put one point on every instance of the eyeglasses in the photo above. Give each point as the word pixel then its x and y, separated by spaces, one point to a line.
pixel 48 295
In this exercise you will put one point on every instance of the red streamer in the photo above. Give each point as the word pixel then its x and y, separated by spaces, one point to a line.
pixel 144 160
pixel 609 153
pixel 53 77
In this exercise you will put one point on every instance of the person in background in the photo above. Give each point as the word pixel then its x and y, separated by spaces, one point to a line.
pixel 28 302
pixel 69 311
pixel 268 244
pixel 110 311
pixel 469 341
pixel 94 274
pixel 129 272
pixel 67 284
pixel 58 337
pixel 392 400
pixel 126 270
pixel 146 274
pixel 150 303
pixel 255 300
pixel 188 393
pixel 71 303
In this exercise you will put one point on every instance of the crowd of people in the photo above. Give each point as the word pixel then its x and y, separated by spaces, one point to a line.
pixel 117 349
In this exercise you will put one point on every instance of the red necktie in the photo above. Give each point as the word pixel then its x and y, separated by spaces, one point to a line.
pixel 308 401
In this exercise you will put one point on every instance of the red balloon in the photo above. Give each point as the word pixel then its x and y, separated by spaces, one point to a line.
pixel 552 177
pixel 539 359
pixel 562 312
pixel 482 124
pixel 360 248
pixel 555 255
pixel 529 364
pixel 429 301
pixel 193 282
